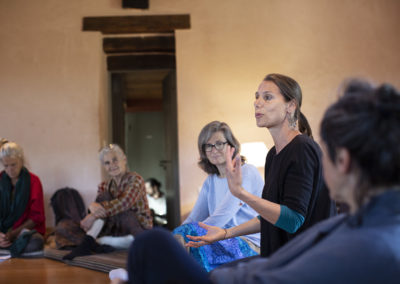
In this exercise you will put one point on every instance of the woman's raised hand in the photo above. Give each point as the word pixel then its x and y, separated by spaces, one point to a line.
pixel 213 234
pixel 233 171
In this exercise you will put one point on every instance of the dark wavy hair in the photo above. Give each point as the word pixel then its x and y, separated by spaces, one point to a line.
pixel 205 135
pixel 366 121
pixel 291 90
pixel 154 183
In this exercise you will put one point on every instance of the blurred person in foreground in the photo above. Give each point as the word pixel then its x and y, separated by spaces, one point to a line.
pixel 361 160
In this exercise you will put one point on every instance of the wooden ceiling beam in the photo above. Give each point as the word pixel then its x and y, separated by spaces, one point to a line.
pixel 139 44
pixel 137 24
pixel 140 62
pixel 139 4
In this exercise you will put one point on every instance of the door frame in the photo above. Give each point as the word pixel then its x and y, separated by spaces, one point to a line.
pixel 145 51
pixel 171 163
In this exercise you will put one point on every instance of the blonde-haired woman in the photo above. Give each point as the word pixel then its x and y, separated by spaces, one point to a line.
pixel 119 213
pixel 22 217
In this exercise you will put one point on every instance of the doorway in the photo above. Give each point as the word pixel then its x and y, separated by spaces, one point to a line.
pixel 145 144
pixel 148 54
pixel 144 123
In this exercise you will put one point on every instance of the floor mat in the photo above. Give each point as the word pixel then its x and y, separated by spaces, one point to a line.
pixel 100 262
pixel 34 254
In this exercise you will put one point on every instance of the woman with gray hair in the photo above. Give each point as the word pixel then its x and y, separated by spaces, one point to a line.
pixel 22 218
pixel 216 205
pixel 120 211
pixel 294 196
pixel 360 169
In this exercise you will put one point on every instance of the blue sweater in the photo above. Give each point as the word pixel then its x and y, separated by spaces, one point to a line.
pixel 216 205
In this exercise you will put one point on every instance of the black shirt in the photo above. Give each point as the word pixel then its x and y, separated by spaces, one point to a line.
pixel 293 178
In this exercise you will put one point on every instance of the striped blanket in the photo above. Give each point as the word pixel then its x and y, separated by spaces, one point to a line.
pixel 100 262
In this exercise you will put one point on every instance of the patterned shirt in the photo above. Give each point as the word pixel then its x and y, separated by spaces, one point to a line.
pixel 129 195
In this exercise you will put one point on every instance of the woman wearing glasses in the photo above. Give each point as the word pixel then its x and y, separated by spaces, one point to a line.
pixel 120 211
pixel 215 205
pixel 294 196
pixel 361 169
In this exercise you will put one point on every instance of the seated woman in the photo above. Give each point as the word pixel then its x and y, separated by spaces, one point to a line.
pixel 361 162
pixel 294 196
pixel 22 218
pixel 157 202
pixel 216 205
pixel 119 213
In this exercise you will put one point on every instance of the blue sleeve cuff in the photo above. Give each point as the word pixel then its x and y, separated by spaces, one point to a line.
pixel 289 220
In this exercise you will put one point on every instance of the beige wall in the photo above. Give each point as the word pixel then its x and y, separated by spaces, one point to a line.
pixel 54 87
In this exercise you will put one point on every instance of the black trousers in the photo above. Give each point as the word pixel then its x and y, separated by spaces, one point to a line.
pixel 156 257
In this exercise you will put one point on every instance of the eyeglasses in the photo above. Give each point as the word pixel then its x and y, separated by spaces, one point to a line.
pixel 218 146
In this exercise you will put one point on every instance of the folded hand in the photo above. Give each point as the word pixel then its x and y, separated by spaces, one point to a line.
pixel 97 210
pixel 4 241
pixel 87 222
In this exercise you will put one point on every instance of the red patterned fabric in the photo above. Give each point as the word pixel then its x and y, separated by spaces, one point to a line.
pixel 129 195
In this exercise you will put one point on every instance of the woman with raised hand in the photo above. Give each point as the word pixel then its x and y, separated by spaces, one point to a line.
pixel 361 158
pixel 294 196
pixel 22 217
pixel 216 205
pixel 119 213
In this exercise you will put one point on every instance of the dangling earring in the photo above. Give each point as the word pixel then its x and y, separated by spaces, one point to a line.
pixel 292 121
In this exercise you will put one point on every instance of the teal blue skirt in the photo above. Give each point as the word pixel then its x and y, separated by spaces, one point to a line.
pixel 215 254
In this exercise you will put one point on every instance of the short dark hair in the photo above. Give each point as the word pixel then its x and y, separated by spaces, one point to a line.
pixel 291 90
pixel 154 182
pixel 366 121
pixel 155 185
pixel 205 135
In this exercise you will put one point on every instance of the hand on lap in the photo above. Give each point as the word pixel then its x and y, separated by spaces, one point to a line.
pixel 4 242
pixel 213 234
